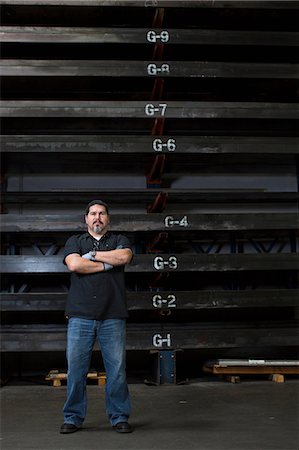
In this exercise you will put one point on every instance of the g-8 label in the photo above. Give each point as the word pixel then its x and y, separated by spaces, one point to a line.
pixel 153 69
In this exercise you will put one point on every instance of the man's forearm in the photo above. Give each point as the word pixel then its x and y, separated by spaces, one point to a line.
pixel 90 267
pixel 114 257
pixel 90 257
pixel 76 263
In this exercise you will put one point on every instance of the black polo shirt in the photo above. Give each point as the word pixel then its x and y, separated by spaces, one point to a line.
pixel 100 295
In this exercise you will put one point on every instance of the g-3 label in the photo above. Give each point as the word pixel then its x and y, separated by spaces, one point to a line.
pixel 170 263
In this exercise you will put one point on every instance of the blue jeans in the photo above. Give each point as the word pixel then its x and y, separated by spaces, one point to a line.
pixel 111 337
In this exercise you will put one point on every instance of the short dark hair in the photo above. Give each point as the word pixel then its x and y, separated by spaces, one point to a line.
pixel 96 202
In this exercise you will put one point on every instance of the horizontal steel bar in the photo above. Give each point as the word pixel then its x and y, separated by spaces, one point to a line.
pixel 150 109
pixel 176 196
pixel 110 68
pixel 254 370
pixel 258 362
pixel 149 144
pixel 255 4
pixel 153 222
pixel 163 263
pixel 75 35
pixel 161 300
pixel 22 338
pixel 175 167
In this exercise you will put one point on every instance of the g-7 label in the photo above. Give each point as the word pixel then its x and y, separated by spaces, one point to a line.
pixel 152 110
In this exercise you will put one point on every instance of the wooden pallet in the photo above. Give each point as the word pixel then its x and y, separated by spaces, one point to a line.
pixel 57 377
pixel 232 373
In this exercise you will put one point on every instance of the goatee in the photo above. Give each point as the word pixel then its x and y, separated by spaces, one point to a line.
pixel 97 229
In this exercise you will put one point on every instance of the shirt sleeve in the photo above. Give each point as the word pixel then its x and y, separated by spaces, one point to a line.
pixel 123 242
pixel 71 246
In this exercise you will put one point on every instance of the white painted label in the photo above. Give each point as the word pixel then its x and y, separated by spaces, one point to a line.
pixel 159 340
pixel 160 264
pixel 153 69
pixel 153 37
pixel 159 145
pixel 152 110
pixel 170 221
pixel 168 302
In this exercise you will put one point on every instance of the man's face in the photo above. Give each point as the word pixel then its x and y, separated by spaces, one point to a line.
pixel 97 219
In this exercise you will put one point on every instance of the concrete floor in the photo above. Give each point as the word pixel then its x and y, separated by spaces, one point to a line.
pixel 203 415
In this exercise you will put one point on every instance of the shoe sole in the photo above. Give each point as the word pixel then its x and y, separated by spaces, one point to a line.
pixel 69 431
pixel 123 431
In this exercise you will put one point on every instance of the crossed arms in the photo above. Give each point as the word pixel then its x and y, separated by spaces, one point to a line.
pixel 118 257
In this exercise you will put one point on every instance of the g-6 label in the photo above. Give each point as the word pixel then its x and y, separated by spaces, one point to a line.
pixel 159 145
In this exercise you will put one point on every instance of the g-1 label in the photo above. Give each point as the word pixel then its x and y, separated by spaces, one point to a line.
pixel 160 263
pixel 168 302
pixel 151 110
pixel 152 36
pixel 159 340
pixel 153 69
pixel 169 222
pixel 159 145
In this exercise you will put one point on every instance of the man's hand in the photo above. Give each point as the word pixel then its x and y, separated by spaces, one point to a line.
pixel 92 258
pixel 88 256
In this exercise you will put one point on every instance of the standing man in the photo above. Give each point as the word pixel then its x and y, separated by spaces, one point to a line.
pixel 96 310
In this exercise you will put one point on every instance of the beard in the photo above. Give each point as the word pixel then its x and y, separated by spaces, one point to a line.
pixel 97 229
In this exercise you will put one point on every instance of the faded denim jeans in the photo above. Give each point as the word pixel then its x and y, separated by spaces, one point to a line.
pixel 111 337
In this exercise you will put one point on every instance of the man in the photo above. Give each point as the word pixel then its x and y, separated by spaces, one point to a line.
pixel 96 310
